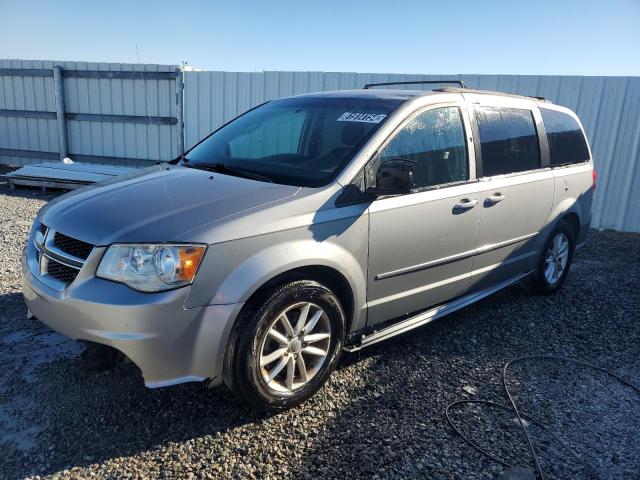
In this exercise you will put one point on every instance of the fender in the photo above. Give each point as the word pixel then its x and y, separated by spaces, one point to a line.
pixel 235 270
pixel 278 259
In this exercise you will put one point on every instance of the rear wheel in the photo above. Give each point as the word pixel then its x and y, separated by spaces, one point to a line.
pixel 285 346
pixel 555 261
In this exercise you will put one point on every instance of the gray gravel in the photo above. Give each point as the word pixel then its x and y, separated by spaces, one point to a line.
pixel 381 414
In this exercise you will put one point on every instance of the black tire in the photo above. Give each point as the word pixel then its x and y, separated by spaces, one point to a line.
pixel 242 372
pixel 538 282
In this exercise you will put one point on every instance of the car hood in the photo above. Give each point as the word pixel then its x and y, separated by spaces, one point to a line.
pixel 156 204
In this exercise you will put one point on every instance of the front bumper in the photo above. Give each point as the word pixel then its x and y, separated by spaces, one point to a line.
pixel 169 343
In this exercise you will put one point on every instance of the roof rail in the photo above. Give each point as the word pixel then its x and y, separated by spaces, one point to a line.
pixel 417 82
pixel 488 92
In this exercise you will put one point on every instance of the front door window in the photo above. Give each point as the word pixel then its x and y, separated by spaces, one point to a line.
pixel 433 145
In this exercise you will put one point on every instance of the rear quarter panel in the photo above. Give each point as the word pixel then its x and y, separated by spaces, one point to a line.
pixel 573 187
pixel 573 193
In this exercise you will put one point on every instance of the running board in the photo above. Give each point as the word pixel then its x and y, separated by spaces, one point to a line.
pixel 429 315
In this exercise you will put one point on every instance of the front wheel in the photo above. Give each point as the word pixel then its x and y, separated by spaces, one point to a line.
pixel 554 263
pixel 285 346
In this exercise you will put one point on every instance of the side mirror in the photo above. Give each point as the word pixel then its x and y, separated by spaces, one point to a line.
pixel 395 177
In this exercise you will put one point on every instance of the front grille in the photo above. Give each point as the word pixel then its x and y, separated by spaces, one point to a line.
pixel 72 246
pixel 61 272
pixel 55 253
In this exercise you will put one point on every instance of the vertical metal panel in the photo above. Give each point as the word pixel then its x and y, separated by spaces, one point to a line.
pixel 609 108
pixel 122 97
pixel 27 93
pixel 179 103
pixel 90 95
pixel 63 147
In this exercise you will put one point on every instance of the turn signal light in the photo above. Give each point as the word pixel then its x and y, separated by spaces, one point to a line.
pixel 189 261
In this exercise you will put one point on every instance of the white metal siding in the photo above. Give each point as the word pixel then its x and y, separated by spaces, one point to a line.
pixel 121 97
pixel 26 93
pixel 89 95
pixel 609 108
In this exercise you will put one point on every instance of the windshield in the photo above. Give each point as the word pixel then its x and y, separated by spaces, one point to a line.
pixel 304 141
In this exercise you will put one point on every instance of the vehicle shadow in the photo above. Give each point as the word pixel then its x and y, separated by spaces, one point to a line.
pixel 54 415
pixel 109 414
pixel 48 403
pixel 71 418
pixel 389 416
pixel 81 418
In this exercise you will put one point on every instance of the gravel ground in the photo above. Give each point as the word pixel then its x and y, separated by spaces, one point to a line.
pixel 380 416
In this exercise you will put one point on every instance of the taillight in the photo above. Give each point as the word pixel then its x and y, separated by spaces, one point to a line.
pixel 594 176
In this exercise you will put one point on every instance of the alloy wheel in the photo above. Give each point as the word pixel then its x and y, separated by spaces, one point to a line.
pixel 557 257
pixel 295 346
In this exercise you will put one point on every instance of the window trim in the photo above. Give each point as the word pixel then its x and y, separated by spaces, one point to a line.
pixel 471 174
pixel 543 147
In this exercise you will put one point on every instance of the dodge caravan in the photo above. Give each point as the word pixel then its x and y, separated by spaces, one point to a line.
pixel 310 225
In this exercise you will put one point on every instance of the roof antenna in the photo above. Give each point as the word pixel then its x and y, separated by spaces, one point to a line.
pixel 154 134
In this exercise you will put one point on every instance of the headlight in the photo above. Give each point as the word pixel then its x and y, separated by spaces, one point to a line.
pixel 151 268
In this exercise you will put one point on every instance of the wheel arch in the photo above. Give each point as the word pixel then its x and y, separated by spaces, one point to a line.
pixel 573 220
pixel 341 269
pixel 321 273
pixel 567 210
pixel 327 276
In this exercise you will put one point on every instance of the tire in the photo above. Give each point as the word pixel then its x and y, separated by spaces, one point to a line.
pixel 541 281
pixel 255 353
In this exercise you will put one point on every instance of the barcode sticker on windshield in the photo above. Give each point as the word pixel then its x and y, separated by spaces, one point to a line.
pixel 361 117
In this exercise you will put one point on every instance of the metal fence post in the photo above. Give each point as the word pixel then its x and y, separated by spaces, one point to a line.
pixel 63 146
pixel 179 107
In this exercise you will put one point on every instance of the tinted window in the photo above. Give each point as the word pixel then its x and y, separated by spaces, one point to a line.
pixel 434 144
pixel 303 141
pixel 508 140
pixel 566 141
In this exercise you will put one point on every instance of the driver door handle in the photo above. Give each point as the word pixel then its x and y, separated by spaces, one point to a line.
pixel 495 198
pixel 465 204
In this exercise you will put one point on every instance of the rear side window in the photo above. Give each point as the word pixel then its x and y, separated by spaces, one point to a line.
pixel 567 144
pixel 508 140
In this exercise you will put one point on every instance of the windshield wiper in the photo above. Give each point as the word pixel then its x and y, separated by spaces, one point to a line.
pixel 229 170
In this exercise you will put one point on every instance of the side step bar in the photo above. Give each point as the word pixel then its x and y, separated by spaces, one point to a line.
pixel 427 316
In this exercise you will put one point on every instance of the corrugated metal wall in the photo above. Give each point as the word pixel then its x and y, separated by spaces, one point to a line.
pixel 130 142
pixel 608 106
pixel 27 93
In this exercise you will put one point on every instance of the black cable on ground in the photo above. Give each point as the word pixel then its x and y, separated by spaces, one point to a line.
pixel 521 416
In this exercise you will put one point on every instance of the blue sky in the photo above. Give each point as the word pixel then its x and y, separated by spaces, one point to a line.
pixel 528 37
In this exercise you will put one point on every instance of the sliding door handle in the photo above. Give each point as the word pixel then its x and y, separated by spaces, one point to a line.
pixel 495 198
pixel 464 204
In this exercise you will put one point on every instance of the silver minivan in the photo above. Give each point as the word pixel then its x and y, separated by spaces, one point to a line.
pixel 311 225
